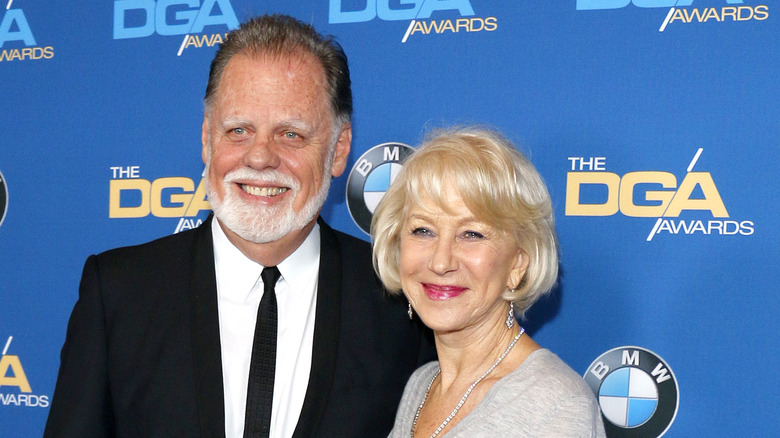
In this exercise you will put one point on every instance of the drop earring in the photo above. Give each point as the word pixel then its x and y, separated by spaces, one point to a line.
pixel 410 312
pixel 510 318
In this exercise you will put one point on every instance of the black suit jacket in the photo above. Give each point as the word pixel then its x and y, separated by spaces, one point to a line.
pixel 142 352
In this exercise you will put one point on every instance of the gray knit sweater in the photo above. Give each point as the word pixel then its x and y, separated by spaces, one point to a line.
pixel 543 397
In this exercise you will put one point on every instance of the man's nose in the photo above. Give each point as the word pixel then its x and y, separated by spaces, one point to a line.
pixel 263 153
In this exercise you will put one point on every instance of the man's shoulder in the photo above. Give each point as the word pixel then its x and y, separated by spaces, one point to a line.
pixel 350 246
pixel 161 248
pixel 351 257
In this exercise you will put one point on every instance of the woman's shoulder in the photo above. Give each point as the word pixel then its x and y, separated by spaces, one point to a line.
pixel 544 366
pixel 425 372
pixel 544 376
pixel 556 398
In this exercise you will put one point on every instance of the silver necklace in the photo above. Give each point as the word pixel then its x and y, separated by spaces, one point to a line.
pixel 465 396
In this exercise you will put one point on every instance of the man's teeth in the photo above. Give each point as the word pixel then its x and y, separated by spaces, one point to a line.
pixel 263 191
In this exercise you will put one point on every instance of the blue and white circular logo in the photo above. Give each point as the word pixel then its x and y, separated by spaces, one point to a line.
pixel 370 178
pixel 3 198
pixel 637 392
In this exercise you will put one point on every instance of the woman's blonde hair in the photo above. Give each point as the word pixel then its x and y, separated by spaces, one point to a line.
pixel 498 185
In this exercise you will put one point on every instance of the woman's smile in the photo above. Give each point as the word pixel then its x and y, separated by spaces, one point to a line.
pixel 441 291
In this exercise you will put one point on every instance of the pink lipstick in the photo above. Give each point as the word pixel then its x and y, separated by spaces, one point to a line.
pixel 442 292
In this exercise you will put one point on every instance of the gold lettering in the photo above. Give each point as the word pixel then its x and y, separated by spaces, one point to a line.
pixel 630 180
pixel 115 189
pixel 573 182
pixel 682 199
pixel 198 201
pixel 711 13
pixel 491 24
pixel 177 198
pixel 741 17
pixel 729 11
pixel 679 15
pixel 419 26
pixel 694 14
pixel 762 12
pixel 19 379
pixel 191 41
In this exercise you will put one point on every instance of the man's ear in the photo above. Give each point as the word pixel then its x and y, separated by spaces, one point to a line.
pixel 204 139
pixel 341 152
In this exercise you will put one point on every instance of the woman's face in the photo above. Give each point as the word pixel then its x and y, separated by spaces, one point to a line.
pixel 454 268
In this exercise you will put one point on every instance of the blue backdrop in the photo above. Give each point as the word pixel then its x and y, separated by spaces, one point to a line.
pixel 652 121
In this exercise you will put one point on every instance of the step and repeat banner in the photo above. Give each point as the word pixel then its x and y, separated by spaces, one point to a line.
pixel 655 123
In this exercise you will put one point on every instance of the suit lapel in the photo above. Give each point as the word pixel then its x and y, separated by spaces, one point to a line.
pixel 207 355
pixel 326 335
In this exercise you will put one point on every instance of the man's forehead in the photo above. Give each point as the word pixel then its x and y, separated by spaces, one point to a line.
pixel 303 72
pixel 295 61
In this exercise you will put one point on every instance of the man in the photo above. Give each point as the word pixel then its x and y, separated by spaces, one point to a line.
pixel 160 341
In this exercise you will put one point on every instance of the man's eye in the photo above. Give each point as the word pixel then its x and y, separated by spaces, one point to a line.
pixel 290 135
pixel 238 131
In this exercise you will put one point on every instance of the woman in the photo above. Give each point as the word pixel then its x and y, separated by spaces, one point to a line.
pixel 466 232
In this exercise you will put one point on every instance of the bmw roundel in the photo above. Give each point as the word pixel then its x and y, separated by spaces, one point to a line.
pixel 370 178
pixel 3 198
pixel 636 390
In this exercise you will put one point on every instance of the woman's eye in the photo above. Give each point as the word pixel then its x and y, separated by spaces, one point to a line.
pixel 421 231
pixel 473 235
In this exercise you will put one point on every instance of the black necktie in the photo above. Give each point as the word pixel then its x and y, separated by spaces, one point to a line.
pixel 260 392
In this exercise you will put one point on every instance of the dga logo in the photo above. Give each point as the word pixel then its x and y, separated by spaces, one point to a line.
pixel 131 196
pixel 371 177
pixel 637 392
pixel 3 198
pixel 144 18
pixel 680 11
pixel 650 194
pixel 15 31
pixel 15 389
pixel 419 12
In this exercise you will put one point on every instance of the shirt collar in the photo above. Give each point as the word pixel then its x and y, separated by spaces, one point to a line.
pixel 237 274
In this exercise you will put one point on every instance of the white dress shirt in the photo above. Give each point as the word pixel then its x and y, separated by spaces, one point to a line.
pixel 239 290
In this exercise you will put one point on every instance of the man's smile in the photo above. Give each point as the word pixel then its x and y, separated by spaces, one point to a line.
pixel 263 191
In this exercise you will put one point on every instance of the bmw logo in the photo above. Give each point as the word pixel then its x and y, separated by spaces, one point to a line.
pixel 3 198
pixel 371 177
pixel 637 392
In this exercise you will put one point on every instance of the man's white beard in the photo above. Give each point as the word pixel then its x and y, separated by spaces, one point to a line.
pixel 263 224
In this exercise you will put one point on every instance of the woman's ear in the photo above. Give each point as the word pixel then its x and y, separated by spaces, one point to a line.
pixel 518 270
